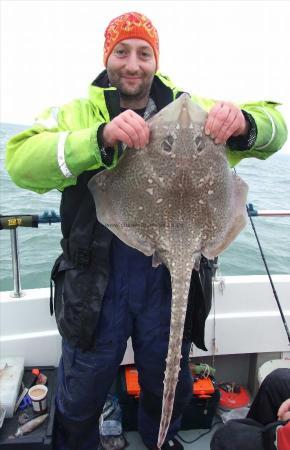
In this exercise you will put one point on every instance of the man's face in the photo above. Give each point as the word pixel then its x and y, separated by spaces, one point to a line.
pixel 131 67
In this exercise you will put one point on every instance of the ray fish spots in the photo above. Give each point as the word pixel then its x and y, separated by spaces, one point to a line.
pixel 181 217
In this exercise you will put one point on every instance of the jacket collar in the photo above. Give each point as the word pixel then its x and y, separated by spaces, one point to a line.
pixel 160 93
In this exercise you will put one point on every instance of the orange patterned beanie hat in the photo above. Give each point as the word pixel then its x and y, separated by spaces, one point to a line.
pixel 131 25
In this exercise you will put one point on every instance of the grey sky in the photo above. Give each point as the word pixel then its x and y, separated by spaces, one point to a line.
pixel 230 50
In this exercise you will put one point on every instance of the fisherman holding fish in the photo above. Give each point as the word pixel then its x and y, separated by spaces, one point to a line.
pixel 105 290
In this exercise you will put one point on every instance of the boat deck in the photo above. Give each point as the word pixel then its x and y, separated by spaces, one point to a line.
pixel 198 439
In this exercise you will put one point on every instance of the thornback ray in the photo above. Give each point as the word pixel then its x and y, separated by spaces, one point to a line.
pixel 175 199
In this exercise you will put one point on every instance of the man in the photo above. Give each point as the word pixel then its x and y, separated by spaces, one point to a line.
pixel 267 426
pixel 106 291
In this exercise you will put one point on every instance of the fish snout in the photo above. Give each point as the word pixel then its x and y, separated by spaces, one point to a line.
pixel 185 119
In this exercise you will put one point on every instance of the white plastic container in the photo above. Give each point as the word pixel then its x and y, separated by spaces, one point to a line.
pixel 38 394
pixel 11 373
pixel 271 365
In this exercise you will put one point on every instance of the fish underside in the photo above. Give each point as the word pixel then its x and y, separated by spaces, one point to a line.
pixel 175 199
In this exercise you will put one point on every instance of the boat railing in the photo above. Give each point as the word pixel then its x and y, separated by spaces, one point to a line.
pixel 12 222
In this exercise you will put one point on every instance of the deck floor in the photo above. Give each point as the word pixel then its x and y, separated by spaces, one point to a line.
pixel 135 442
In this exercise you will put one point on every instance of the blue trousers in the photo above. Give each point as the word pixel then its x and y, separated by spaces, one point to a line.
pixel 137 303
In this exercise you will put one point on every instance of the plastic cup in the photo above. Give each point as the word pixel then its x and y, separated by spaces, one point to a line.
pixel 38 395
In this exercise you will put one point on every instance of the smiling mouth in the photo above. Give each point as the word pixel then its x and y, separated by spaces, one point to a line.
pixel 131 78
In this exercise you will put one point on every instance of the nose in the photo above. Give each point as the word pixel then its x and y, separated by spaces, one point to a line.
pixel 132 62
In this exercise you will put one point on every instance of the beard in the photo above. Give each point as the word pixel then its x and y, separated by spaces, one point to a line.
pixel 136 90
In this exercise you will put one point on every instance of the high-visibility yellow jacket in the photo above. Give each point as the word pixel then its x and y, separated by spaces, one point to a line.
pixel 63 141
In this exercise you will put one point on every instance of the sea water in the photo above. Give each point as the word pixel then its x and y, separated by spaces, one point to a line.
pixel 269 188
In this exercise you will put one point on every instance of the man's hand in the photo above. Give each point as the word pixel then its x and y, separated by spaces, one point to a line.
pixel 129 128
pixel 225 120
pixel 284 410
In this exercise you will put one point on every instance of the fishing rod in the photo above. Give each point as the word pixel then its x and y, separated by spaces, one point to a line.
pixel 11 222
pixel 253 213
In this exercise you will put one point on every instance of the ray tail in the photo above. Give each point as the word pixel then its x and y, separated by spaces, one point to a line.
pixel 180 287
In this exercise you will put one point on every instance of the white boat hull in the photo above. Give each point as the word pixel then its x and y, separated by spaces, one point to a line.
pixel 246 320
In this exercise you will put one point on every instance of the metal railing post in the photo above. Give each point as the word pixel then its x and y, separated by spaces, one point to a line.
pixel 15 263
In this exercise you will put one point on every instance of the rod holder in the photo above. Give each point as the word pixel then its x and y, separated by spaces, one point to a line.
pixel 15 263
